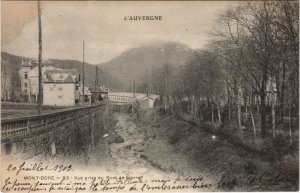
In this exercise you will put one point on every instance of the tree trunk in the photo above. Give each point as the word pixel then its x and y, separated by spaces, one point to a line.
pixel 263 92
pixel 246 110
pixel 228 100
pixel 290 123
pixel 239 116
pixel 263 115
pixel 282 93
pixel 171 103
pixel 273 109
pixel 219 113
pixel 196 111
pixel 253 122
pixel 238 106
pixel 188 106
pixel 229 111
pixel 257 104
pixel 251 114
pixel 194 106
pixel 212 112
pixel 273 120
pixel 201 116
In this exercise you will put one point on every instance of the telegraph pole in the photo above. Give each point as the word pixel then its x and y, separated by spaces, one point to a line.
pixel 96 78
pixel 40 59
pixel 83 100
pixel 133 82
pixel 96 96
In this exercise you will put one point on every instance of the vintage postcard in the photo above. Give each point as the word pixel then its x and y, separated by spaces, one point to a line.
pixel 149 96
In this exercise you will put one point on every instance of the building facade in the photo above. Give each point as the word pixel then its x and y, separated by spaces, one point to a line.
pixel 29 78
pixel 61 87
pixel 145 101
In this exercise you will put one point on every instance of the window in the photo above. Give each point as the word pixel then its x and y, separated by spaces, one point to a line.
pixel 25 75
pixel 25 84
pixel 25 90
pixel 60 88
pixel 60 96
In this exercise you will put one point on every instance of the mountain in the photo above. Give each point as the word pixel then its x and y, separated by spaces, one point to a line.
pixel 140 61
pixel 10 65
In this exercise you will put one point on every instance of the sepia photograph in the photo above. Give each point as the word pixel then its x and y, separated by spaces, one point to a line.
pixel 149 96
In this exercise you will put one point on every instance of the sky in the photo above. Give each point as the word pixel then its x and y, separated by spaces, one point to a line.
pixel 101 24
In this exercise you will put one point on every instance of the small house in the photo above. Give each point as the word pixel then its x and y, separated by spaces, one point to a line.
pixel 147 102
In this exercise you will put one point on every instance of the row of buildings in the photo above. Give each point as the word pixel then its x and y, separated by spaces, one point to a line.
pixel 61 87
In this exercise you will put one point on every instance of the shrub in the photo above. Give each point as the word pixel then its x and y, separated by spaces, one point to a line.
pixel 174 134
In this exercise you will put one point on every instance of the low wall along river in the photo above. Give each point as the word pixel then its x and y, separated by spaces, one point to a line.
pixel 66 131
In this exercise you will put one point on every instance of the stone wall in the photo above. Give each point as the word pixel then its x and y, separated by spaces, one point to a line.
pixel 74 135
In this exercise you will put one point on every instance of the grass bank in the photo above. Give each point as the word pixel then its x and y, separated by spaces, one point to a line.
pixel 272 166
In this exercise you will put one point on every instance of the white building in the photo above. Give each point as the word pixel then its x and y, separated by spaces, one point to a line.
pixel 120 97
pixel 59 89
pixel 60 86
pixel 146 101
pixel 27 84
pixel 29 78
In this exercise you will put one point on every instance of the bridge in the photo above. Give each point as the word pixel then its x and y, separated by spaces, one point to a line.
pixel 71 130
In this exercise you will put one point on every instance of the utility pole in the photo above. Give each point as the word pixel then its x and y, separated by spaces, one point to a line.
pixel 133 93
pixel 96 78
pixel 96 96
pixel 166 86
pixel 40 59
pixel 83 100
pixel 132 97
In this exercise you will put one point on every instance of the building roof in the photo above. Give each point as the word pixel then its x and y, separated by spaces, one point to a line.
pixel 26 64
pixel 58 77
pixel 137 96
pixel 123 94
pixel 151 96
pixel 97 90
pixel 53 70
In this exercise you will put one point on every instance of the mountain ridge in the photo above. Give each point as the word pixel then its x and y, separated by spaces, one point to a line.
pixel 140 61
